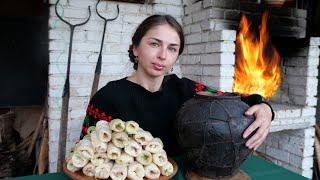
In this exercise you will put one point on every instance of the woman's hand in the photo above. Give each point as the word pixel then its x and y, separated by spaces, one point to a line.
pixel 262 113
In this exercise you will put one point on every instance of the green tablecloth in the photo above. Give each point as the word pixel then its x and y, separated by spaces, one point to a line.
pixel 257 169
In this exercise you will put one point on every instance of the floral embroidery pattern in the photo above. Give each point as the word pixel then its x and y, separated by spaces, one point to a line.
pixel 98 114
pixel 199 87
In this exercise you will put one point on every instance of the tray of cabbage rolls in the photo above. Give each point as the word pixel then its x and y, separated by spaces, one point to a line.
pixel 119 150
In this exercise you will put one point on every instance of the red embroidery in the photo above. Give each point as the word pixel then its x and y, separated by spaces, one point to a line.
pixel 220 93
pixel 98 114
pixel 199 87
pixel 84 130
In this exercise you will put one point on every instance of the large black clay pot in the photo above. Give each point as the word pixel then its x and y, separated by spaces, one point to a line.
pixel 209 129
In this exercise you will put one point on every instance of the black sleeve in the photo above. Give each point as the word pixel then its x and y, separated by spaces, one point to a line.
pixel 100 108
pixel 190 88
pixel 254 99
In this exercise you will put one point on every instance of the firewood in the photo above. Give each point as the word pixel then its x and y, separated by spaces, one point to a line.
pixel 43 155
pixel 36 132
pixel 24 144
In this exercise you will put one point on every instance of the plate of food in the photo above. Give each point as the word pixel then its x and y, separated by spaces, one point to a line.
pixel 119 150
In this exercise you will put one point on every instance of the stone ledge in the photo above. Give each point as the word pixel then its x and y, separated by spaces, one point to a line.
pixel 288 117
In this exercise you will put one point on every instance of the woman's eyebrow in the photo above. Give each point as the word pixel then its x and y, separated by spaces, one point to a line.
pixel 160 41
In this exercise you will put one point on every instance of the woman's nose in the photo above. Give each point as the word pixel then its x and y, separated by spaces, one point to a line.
pixel 162 53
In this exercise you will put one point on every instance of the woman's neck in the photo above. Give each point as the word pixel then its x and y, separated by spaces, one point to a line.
pixel 150 83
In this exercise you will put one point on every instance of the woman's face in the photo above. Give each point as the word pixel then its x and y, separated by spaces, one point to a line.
pixel 158 50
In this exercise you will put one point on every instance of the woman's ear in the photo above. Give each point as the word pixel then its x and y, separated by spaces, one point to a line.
pixel 135 50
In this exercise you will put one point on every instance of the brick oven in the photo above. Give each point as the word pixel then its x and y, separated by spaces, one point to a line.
pixel 210 27
pixel 209 57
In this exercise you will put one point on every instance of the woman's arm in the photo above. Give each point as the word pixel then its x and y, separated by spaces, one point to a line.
pixel 261 110
pixel 263 117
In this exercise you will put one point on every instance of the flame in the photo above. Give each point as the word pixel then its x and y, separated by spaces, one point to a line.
pixel 257 66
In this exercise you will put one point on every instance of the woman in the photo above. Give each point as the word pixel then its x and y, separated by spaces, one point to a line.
pixel 152 98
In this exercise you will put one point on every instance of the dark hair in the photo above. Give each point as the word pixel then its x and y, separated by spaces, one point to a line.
pixel 149 23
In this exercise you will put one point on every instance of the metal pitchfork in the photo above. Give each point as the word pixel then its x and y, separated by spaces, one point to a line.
pixel 99 62
pixel 66 94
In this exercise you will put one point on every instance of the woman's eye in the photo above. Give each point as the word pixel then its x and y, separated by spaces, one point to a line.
pixel 154 44
pixel 172 49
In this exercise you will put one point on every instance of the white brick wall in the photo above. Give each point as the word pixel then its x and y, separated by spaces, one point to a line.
pixel 292 149
pixel 86 46
pixel 209 57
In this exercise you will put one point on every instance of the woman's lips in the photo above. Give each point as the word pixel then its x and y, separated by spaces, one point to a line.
pixel 158 67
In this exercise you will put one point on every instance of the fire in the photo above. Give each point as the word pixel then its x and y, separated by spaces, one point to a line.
pixel 257 67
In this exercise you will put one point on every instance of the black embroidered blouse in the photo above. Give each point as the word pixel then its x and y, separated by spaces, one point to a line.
pixel 154 111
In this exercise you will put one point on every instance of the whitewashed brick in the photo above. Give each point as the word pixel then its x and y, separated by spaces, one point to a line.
pixel 302 61
pixel 207 3
pixel 222 71
pixel 76 123
pixel 112 69
pixel 76 113
pixel 52 167
pixel 302 71
pixel 207 25
pixel 62 34
pixel 197 6
pixel 303 100
pixel 128 8
pixel 62 2
pixel 194 28
pixel 83 3
pixel 190 59
pixel 220 83
pixel 218 58
pixel 295 160
pixel 307 173
pixel 199 16
pixel 174 10
pixel 278 154
pixel 194 70
pixel 224 46
pixel 300 80
pixel 75 80
pixel 302 91
pixel 74 68
pixel 80 91
pixel 195 48
pixel 73 135
pixel 55 115
pixel 53 136
pixel 310 132
pixel 58 45
pixel 187 20
pixel 307 163
pixel 226 35
pixel 193 38
pixel 314 51
pixel 131 18
pixel 55 102
pixel 53 124
pixel 86 47
pixel 169 2
pixel 315 41
pixel 287 113
pixel 308 111
pixel 116 48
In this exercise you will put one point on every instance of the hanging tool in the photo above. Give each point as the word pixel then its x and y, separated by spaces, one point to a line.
pixel 99 62
pixel 66 95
